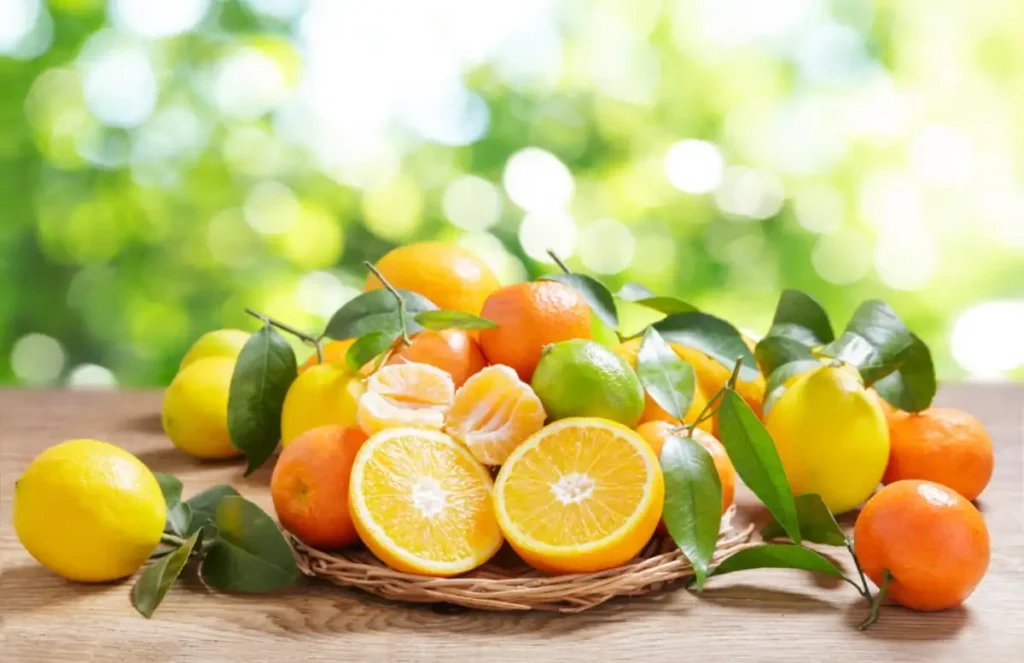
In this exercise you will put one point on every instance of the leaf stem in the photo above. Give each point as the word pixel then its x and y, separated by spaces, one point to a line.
pixel 398 297
pixel 306 338
pixel 171 539
pixel 876 604
pixel 864 590
pixel 558 261
pixel 731 382
pixel 706 413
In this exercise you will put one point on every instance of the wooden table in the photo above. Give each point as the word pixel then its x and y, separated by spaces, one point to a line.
pixel 755 616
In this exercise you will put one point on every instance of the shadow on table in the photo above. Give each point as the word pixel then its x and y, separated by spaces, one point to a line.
pixel 900 624
pixel 144 423
pixel 29 587
pixel 172 460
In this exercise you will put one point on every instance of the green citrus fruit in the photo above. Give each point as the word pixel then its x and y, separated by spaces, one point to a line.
pixel 832 437
pixel 88 511
pixel 195 409
pixel 220 343
pixel 582 378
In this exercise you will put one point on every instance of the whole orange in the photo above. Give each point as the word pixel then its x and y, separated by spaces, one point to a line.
pixel 943 445
pixel 334 353
pixel 451 350
pixel 531 316
pixel 932 541
pixel 447 274
pixel 309 486
pixel 657 433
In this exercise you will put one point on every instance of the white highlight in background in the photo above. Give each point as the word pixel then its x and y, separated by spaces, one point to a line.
pixel 538 181
pixel 91 376
pixel 606 246
pixel 541 231
pixel 694 166
pixel 156 20
pixel 37 359
pixel 471 203
pixel 986 339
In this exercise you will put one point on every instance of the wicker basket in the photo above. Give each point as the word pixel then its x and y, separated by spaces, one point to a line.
pixel 507 583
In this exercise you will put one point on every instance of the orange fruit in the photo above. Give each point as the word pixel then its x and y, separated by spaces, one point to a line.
pixel 582 494
pixel 451 350
pixel 405 395
pixel 929 537
pixel 531 316
pixel 334 353
pixel 309 486
pixel 657 432
pixel 943 445
pixel 422 504
pixel 712 376
pixel 447 274
pixel 652 411
pixel 493 413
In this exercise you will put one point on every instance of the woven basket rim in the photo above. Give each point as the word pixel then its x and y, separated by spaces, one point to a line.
pixel 511 584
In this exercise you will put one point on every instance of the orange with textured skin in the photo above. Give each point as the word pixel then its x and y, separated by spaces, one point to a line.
pixel 932 541
pixel 333 352
pixel 657 432
pixel 943 445
pixel 451 350
pixel 309 486
pixel 652 411
pixel 447 274
pixel 531 316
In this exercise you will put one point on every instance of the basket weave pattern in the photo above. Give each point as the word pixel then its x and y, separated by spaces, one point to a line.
pixel 507 583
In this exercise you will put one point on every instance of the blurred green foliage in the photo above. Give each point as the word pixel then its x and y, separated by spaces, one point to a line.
pixel 163 165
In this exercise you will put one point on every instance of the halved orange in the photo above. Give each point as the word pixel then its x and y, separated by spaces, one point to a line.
pixel 422 504
pixel 582 494
pixel 405 395
pixel 493 412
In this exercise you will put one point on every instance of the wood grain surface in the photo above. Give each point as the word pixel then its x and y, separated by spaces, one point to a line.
pixel 753 616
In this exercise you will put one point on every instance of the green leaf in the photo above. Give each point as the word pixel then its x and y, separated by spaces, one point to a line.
pixel 712 336
pixel 778 556
pixel 452 320
pixel 753 453
pixel 775 351
pixel 264 371
pixel 777 380
pixel 817 524
pixel 602 333
pixel 911 388
pixel 203 506
pixel 151 587
pixel 693 501
pixel 170 487
pixel 593 292
pixel 178 519
pixel 368 347
pixel 376 311
pixel 875 339
pixel 250 554
pixel 668 379
pixel 666 305
pixel 801 318
pixel 634 291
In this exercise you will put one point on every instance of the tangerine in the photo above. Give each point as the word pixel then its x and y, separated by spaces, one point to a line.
pixel 930 539
pixel 333 352
pixel 405 395
pixel 451 350
pixel 657 433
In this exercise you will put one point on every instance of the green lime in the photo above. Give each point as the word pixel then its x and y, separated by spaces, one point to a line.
pixel 581 378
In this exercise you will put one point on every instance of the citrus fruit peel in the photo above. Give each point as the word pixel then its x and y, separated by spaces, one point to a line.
pixel 405 395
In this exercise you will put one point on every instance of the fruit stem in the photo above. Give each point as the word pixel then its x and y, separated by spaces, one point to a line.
pixel 706 413
pixel 876 604
pixel 864 590
pixel 401 301
pixel 306 338
pixel 171 539
pixel 558 261
pixel 731 382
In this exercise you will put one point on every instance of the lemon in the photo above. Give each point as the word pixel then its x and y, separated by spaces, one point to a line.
pixel 323 394
pixel 195 409
pixel 220 343
pixel 832 437
pixel 88 511
pixel 582 378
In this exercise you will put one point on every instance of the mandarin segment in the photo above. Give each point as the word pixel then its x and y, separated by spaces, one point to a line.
pixel 422 504
pixel 580 495
pixel 405 395
pixel 452 350
pixel 493 413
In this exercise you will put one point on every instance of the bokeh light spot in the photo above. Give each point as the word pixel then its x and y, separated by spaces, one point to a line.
pixel 986 339
pixel 472 203
pixel 271 208
pixel 694 166
pixel 37 359
pixel 842 257
pixel 118 81
pixel 394 211
pixel 818 208
pixel 941 155
pixel 543 231
pixel 606 246
pixel 156 20
pixel 748 193
pixel 248 84
pixel 322 293
pixel 315 240
pixel 91 376
pixel 538 181
pixel 17 18
pixel 905 258
pixel 507 267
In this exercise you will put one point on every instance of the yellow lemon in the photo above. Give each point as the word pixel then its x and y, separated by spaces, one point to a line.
pixel 322 394
pixel 88 511
pixel 220 343
pixel 832 437
pixel 195 409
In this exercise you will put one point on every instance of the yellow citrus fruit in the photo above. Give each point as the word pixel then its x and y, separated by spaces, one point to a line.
pixel 422 503
pixel 581 494
pixel 333 353
pixel 712 376
pixel 405 395
pixel 447 274
pixel 832 437
pixel 652 411
pixel 88 511
pixel 322 395
pixel 220 343
pixel 195 409
pixel 493 412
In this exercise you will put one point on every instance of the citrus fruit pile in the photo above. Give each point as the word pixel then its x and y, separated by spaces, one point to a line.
pixel 441 415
